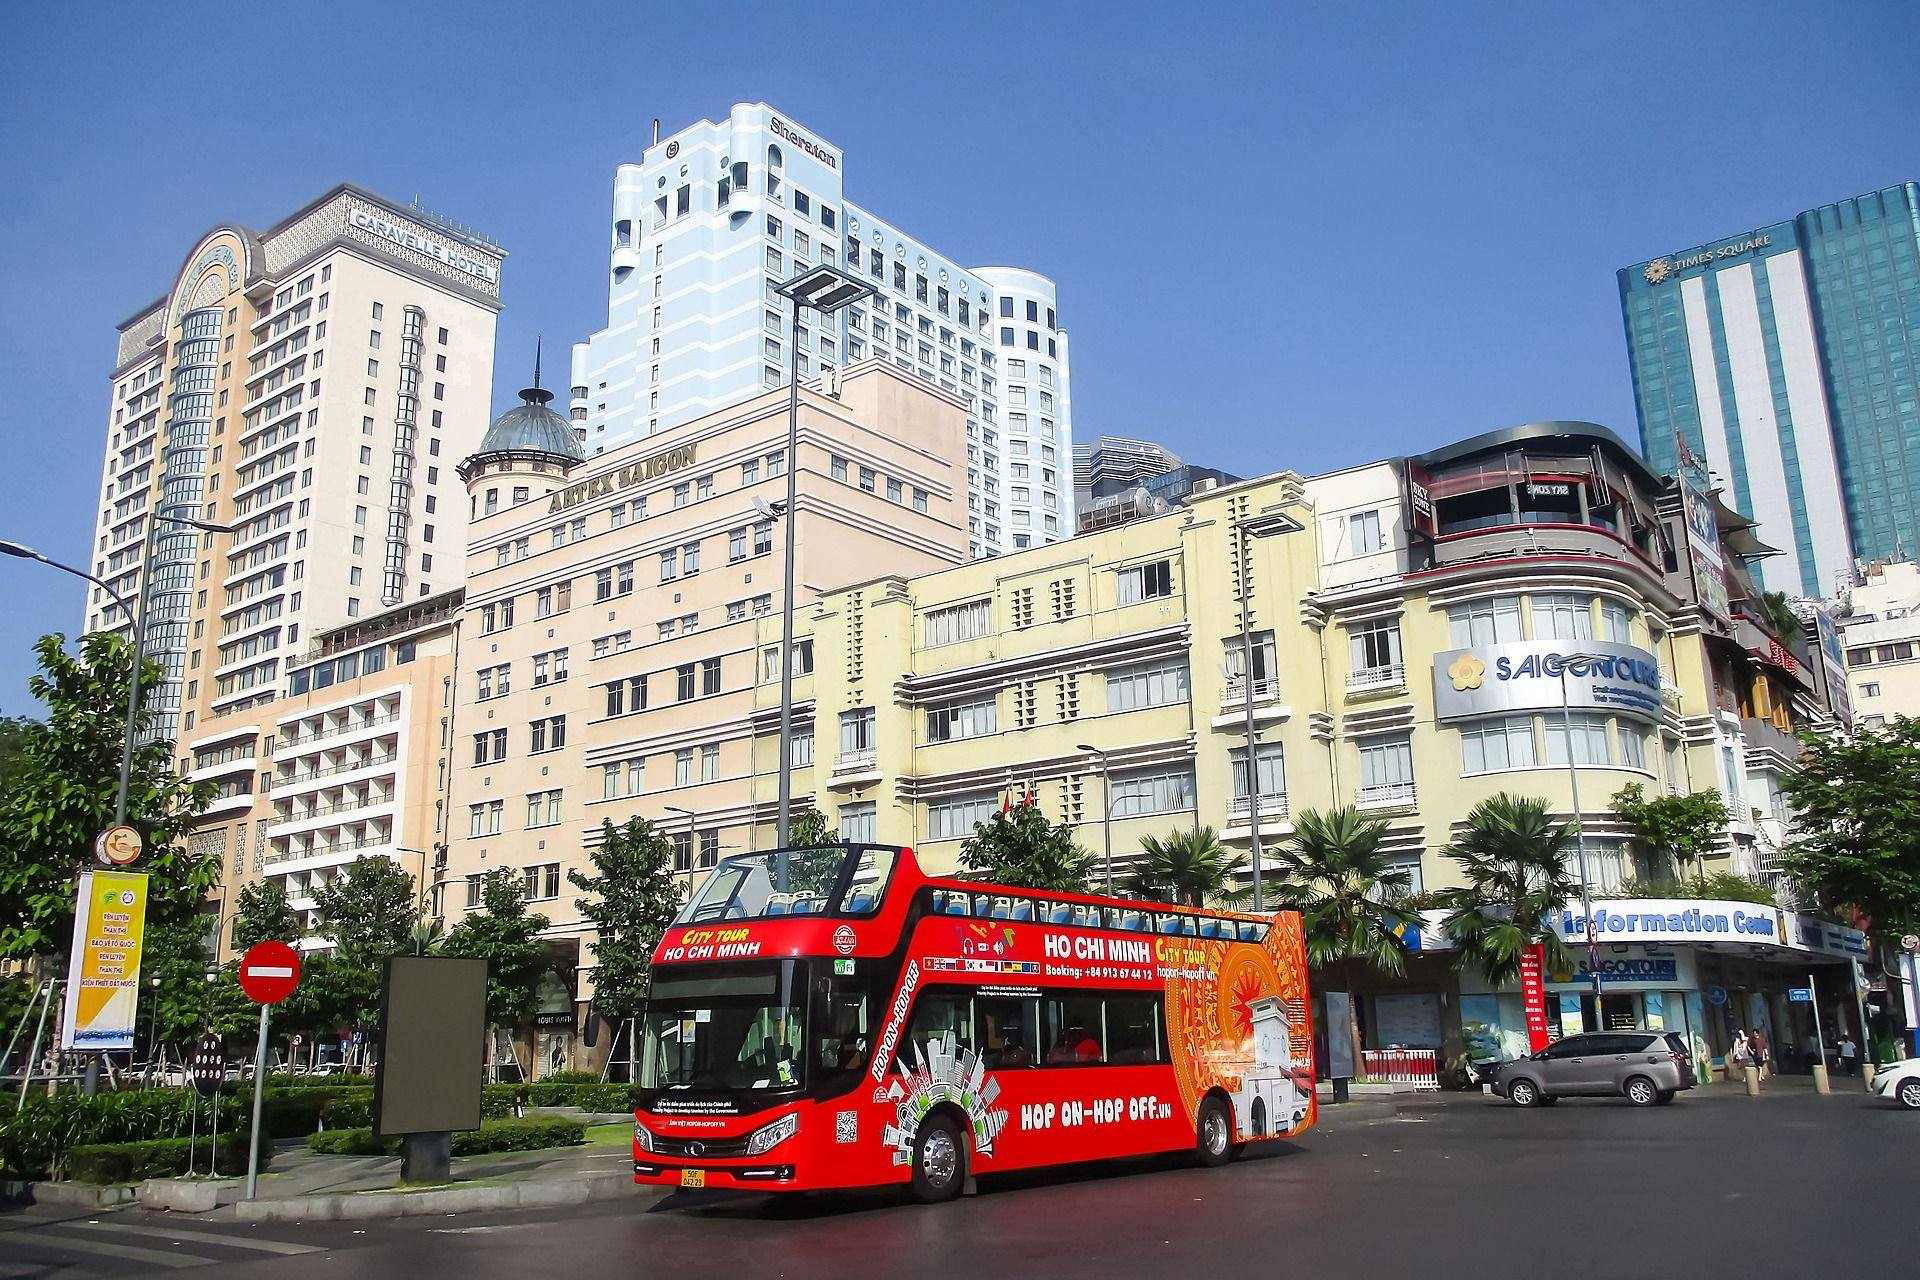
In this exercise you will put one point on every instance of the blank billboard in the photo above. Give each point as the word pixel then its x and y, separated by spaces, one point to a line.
pixel 433 1013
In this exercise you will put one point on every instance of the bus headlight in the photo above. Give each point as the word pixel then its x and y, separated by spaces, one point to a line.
pixel 642 1138
pixel 766 1139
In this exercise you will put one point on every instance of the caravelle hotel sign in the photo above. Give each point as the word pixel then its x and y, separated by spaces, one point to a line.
pixel 1530 675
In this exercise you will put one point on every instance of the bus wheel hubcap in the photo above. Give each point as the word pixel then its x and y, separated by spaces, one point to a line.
pixel 939 1158
pixel 1216 1132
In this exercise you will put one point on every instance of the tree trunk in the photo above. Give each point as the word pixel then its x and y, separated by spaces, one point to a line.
pixel 1353 1021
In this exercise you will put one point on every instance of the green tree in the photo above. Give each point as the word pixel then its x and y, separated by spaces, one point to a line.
pixel 1513 857
pixel 1189 867
pixel 16 736
pixel 1856 807
pixel 808 830
pixel 62 794
pixel 262 913
pixel 1333 872
pixel 507 937
pixel 368 912
pixel 1019 846
pixel 1676 831
pixel 630 898
pixel 1779 614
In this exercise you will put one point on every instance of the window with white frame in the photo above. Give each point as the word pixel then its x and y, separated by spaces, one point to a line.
pixel 955 819
pixel 542 881
pixel 1142 794
pixel 1607 865
pixel 1155 685
pixel 956 623
pixel 1363 533
pixel 1270 771
pixel 1374 648
pixel 1495 620
pixel 1562 617
pixel 957 720
pixel 543 809
pixel 1487 746
pixel 1386 769
pixel 1633 744
pixel 1589 739
pixel 1139 582
pixel 1407 866
pixel 856 731
pixel 857 822
pixel 1616 622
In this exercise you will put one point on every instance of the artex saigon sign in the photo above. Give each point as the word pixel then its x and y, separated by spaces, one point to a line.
pixel 103 992
pixel 1537 675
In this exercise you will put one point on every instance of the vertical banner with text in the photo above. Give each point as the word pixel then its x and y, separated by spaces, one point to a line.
pixel 1533 996
pixel 103 975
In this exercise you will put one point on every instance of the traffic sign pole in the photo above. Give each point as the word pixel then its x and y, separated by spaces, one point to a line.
pixel 269 972
pixel 259 1090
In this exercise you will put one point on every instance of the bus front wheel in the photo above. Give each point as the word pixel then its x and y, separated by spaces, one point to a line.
pixel 1213 1139
pixel 939 1161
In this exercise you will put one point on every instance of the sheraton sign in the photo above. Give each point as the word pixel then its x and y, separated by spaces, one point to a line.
pixel 675 459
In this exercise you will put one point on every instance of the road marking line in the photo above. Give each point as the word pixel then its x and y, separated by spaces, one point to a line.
pixel 156 1257
pixel 201 1237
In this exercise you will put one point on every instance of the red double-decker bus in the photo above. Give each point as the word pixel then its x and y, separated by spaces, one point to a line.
pixel 833 1018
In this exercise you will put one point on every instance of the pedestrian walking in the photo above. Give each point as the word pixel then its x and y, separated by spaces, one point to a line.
pixel 1740 1053
pixel 1849 1054
pixel 1757 1045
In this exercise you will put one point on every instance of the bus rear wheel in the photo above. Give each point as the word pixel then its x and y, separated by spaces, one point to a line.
pixel 1213 1137
pixel 939 1161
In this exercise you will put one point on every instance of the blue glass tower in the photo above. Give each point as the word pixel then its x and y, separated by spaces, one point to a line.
pixel 1786 357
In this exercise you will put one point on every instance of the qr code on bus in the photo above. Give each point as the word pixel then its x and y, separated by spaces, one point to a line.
pixel 846 1126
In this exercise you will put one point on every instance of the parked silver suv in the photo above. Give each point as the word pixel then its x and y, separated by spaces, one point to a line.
pixel 1645 1067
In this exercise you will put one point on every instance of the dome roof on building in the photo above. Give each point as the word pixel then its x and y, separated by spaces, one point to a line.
pixel 531 427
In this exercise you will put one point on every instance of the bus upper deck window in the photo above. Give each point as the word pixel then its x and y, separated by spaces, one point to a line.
pixel 1169 924
pixel 1000 909
pixel 1250 931
pixel 1188 926
pixel 1209 928
pixel 1023 910
pixel 957 904
pixel 1059 913
pixel 1134 921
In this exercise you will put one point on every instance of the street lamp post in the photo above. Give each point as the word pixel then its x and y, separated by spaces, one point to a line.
pixel 1106 808
pixel 1245 530
pixel 1580 846
pixel 825 289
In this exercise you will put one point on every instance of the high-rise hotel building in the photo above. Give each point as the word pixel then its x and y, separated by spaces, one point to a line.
pixel 1785 358
pixel 312 385
pixel 714 217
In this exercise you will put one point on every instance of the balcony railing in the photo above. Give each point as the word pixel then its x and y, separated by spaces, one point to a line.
pixel 349 767
pixel 1377 677
pixel 1386 794
pixel 854 761
pixel 1236 691
pixel 335 731
pixel 1271 806
pixel 338 807
pixel 293 855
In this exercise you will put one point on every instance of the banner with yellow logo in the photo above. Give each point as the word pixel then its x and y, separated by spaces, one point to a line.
pixel 103 984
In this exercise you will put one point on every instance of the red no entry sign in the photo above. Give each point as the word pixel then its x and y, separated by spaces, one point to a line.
pixel 269 972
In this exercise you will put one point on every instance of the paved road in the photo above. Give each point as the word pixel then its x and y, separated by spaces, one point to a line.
pixel 1793 1186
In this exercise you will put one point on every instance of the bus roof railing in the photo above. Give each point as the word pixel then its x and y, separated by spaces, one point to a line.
pixel 996 889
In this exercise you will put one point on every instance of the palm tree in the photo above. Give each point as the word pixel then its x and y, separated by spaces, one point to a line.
pixel 1188 867
pixel 1334 874
pixel 1514 856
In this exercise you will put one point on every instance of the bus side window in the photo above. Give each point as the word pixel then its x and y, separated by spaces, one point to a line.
pixel 1000 909
pixel 1059 913
pixel 1009 1030
pixel 1133 1029
pixel 1187 926
pixel 956 904
pixel 1073 1031
pixel 1133 921
pixel 937 1014
pixel 1209 928
pixel 1087 917
pixel 1023 910
pixel 1169 924
pixel 1250 931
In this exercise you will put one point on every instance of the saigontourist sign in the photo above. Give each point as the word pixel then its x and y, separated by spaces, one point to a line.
pixel 1526 675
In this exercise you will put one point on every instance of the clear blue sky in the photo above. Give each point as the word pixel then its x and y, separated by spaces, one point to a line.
pixel 1284 236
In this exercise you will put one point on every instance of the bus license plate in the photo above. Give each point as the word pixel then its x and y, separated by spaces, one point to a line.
pixel 693 1177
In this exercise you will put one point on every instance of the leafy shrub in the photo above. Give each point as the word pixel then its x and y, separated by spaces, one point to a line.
pixel 348 1110
pixel 33 1141
pixel 529 1134
pixel 571 1077
pixel 116 1162
pixel 501 1101
pixel 351 1142
pixel 588 1097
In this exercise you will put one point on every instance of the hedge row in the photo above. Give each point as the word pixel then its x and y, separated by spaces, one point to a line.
pixel 116 1162
pixel 592 1096
pixel 529 1134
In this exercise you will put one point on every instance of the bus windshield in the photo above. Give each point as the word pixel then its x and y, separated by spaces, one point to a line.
pixel 793 882
pixel 727 1028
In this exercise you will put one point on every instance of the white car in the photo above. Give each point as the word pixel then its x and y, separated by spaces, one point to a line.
pixel 1901 1082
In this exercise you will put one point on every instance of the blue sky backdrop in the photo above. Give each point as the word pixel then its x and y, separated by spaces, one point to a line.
pixel 1284 235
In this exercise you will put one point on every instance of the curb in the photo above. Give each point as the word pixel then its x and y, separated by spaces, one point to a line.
pixel 183 1195
pixel 79 1194
pixel 405 1204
